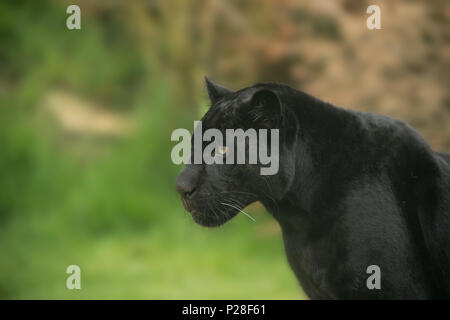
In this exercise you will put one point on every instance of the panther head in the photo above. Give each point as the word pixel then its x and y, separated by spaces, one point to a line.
pixel 215 193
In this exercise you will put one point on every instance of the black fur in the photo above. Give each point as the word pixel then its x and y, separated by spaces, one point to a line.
pixel 354 189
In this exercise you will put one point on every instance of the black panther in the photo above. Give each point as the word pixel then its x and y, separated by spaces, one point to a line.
pixel 353 189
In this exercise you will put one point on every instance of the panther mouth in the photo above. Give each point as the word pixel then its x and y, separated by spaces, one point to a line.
pixel 192 209
pixel 189 207
pixel 186 205
pixel 212 214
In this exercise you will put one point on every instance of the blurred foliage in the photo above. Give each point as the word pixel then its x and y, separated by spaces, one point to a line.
pixel 86 117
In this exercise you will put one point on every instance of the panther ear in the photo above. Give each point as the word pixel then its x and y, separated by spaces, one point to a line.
pixel 215 91
pixel 265 109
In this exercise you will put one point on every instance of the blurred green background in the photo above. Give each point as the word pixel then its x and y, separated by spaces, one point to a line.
pixel 86 117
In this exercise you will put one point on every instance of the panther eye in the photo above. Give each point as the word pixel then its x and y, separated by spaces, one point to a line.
pixel 222 150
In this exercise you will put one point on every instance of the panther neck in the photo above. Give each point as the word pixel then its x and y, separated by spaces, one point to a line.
pixel 323 150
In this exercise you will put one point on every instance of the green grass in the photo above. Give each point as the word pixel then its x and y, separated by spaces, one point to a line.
pixel 178 262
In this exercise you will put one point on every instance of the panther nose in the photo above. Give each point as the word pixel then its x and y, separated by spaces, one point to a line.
pixel 186 183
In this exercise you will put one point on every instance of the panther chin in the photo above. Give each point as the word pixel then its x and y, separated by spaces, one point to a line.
pixel 208 220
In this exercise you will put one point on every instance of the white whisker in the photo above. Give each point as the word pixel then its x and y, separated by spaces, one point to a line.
pixel 230 205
